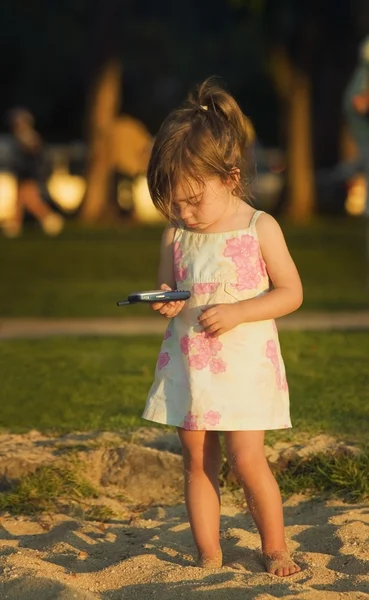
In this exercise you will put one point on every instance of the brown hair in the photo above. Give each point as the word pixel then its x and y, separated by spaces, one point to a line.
pixel 207 137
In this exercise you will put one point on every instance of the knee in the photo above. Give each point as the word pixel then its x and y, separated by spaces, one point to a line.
pixel 197 461
pixel 246 461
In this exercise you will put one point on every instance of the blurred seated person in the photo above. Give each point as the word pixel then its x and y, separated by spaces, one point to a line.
pixel 27 169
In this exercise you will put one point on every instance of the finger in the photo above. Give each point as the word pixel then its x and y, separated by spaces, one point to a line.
pixel 164 309
pixel 217 333
pixel 209 322
pixel 165 286
pixel 212 328
pixel 157 305
pixel 178 309
pixel 177 306
pixel 205 315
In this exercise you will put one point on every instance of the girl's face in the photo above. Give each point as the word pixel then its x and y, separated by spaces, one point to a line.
pixel 205 205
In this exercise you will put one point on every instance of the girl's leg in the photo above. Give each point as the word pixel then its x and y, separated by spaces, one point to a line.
pixel 201 460
pixel 245 453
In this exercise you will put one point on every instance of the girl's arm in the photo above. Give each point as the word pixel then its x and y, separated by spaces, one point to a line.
pixel 286 295
pixel 166 262
pixel 166 279
pixel 284 298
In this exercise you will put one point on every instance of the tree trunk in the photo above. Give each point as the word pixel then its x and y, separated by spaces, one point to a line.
pixel 293 89
pixel 300 175
pixel 103 112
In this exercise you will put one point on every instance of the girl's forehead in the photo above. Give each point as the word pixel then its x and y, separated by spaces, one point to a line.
pixel 186 190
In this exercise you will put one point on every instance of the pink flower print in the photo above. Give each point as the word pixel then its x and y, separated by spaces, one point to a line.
pixel 177 252
pixel 242 249
pixel 167 334
pixel 205 344
pixel 262 267
pixel 272 353
pixel 163 360
pixel 212 418
pixel 180 272
pixel 198 361
pixel 248 277
pixel 190 421
pixel 205 288
pixel 185 344
pixel 217 365
pixel 283 385
pixel 201 350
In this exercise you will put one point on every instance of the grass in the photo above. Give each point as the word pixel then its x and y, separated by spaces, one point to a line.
pixel 85 271
pixel 339 474
pixel 63 488
pixel 68 384
pixel 342 475
pixel 46 489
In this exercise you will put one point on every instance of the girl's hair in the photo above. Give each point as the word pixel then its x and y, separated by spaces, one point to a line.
pixel 208 136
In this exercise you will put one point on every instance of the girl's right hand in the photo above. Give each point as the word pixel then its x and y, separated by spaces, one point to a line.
pixel 168 309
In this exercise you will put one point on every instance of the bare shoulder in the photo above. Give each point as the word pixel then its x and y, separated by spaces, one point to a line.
pixel 266 222
pixel 167 237
pixel 270 235
pixel 268 228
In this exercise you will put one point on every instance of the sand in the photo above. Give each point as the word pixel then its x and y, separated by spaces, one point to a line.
pixel 146 551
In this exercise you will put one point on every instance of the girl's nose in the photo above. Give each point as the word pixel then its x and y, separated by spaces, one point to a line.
pixel 185 212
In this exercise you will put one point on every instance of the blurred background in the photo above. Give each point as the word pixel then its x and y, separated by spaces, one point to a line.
pixel 86 85
pixel 93 79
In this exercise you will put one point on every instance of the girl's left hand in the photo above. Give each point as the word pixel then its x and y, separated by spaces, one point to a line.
pixel 220 318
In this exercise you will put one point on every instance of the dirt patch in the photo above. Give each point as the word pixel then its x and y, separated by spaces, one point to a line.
pixel 146 550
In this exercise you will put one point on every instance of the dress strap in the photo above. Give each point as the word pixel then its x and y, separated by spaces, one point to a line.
pixel 255 217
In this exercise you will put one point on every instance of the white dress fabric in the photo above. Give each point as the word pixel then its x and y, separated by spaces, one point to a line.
pixel 236 381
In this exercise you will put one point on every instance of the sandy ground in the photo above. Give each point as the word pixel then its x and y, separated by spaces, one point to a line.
pixel 147 551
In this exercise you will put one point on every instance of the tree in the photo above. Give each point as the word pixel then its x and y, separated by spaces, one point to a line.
pixel 303 39
pixel 103 106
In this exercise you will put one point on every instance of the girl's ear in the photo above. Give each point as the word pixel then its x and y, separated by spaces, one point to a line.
pixel 234 177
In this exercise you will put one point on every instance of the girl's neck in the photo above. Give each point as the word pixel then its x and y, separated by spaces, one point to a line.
pixel 237 216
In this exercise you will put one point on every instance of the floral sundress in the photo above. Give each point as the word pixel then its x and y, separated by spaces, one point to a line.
pixel 236 381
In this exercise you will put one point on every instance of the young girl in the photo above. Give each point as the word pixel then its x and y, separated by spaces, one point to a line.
pixel 220 367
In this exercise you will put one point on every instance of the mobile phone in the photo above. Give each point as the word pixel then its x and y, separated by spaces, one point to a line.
pixel 155 296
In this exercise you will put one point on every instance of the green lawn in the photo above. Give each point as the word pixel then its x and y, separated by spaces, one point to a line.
pixel 66 384
pixel 84 271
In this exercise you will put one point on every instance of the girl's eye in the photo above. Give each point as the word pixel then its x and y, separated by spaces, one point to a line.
pixel 194 201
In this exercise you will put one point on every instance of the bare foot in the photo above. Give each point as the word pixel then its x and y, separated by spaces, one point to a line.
pixel 280 563
pixel 211 562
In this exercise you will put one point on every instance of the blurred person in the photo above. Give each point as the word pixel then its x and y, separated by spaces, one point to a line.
pixel 356 108
pixel 220 367
pixel 27 169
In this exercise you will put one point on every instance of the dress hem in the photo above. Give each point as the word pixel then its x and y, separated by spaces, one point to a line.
pixel 283 427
